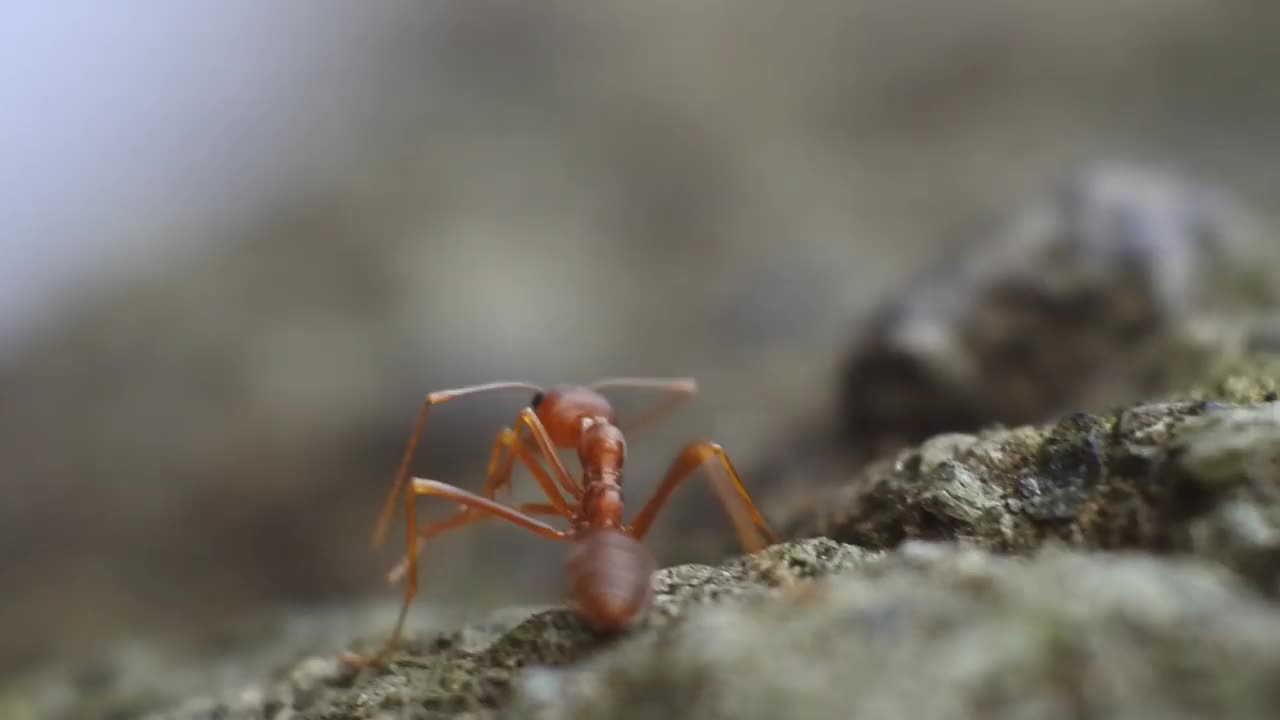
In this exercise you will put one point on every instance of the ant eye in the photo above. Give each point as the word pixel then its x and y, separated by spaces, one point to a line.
pixel 537 400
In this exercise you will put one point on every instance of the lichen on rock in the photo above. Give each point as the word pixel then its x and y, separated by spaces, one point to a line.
pixel 1187 476
pixel 1234 376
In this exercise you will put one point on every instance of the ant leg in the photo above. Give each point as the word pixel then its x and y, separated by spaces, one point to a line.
pixel 502 455
pixel 497 477
pixel 510 444
pixel 464 517
pixel 432 399
pixel 420 486
pixel 680 389
pixel 507 446
pixel 753 531
pixel 529 419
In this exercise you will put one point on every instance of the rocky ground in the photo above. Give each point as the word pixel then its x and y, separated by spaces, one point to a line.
pixel 1115 560
pixel 1179 623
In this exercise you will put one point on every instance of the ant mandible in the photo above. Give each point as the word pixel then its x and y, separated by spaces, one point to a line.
pixel 608 569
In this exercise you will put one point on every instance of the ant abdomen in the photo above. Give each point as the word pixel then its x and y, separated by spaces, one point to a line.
pixel 610 577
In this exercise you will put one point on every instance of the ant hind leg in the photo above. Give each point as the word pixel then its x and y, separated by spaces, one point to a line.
pixel 753 531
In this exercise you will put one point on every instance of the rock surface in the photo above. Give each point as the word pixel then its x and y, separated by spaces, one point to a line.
pixel 937 632
pixel 970 565
pixel 1022 618
pixel 1120 284
pixel 292 671
pixel 810 629
pixel 1181 476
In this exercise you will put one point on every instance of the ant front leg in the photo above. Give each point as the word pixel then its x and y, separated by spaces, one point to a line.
pixel 753 531
pixel 529 420
pixel 497 477
pixel 507 446
pixel 463 517
pixel 484 506
pixel 511 444
pixel 402 473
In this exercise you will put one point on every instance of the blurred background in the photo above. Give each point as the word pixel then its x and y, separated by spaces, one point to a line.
pixel 239 241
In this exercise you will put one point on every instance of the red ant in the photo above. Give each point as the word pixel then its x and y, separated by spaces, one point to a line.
pixel 608 569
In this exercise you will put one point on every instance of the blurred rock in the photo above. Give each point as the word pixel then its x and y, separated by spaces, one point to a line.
pixel 1081 301
pixel 1123 283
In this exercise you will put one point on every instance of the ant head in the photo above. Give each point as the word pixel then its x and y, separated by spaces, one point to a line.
pixel 561 410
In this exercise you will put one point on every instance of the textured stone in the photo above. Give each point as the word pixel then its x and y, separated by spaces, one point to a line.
pixel 941 632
